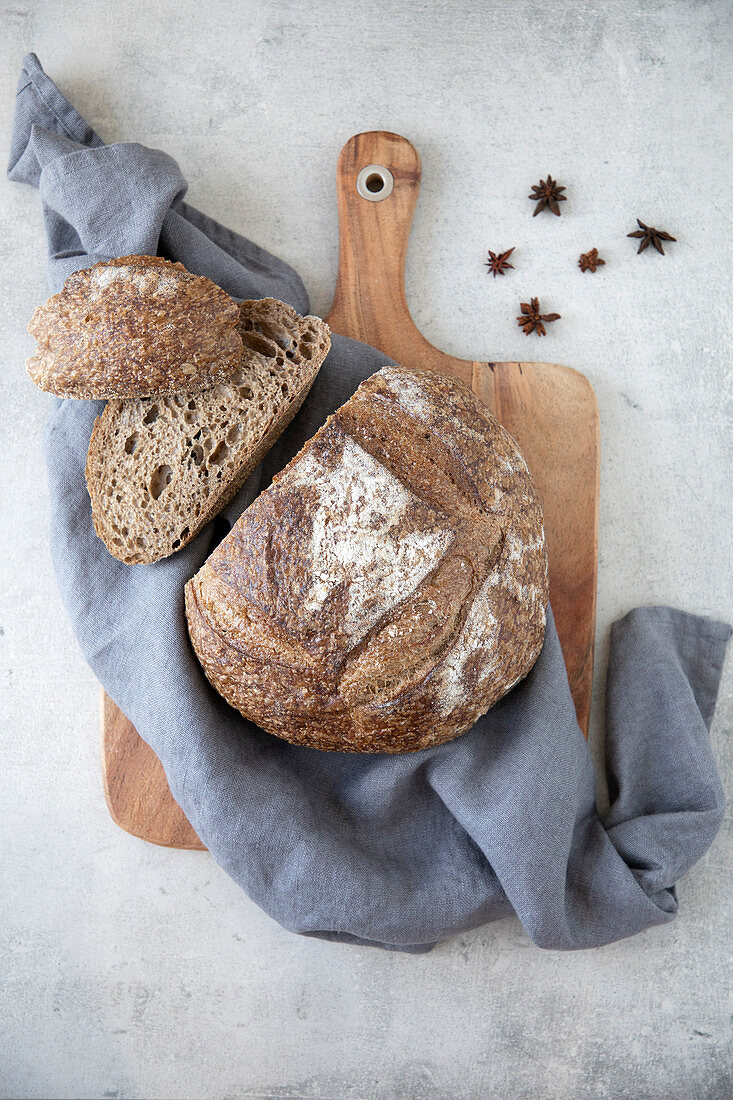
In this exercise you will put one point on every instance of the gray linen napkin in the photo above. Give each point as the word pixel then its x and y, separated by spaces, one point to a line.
pixel 399 851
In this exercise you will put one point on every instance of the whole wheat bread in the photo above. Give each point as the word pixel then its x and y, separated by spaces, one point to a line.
pixel 159 468
pixel 134 327
pixel 390 585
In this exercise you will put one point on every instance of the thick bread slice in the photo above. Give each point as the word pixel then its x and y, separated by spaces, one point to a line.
pixel 389 586
pixel 158 469
pixel 134 327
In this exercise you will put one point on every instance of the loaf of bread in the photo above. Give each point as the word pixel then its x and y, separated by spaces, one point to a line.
pixel 391 584
pixel 159 468
pixel 133 327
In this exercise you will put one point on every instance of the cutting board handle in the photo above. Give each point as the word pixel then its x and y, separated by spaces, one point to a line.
pixel 369 301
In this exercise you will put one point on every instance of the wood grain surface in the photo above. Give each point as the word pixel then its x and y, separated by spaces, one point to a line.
pixel 550 410
pixel 135 786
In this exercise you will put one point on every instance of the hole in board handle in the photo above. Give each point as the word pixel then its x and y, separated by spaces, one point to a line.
pixel 375 182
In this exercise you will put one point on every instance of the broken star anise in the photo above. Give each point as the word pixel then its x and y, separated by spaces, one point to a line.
pixel 589 261
pixel 650 235
pixel 498 263
pixel 547 193
pixel 531 319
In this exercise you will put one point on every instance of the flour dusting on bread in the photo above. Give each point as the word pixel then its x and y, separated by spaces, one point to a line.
pixel 409 393
pixel 356 539
pixel 144 281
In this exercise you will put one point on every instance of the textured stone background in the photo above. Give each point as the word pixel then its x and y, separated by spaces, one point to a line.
pixel 131 971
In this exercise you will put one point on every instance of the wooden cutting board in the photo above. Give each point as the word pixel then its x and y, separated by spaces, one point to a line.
pixel 550 410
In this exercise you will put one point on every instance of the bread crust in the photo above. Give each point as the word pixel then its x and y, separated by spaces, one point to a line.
pixel 134 327
pixel 391 584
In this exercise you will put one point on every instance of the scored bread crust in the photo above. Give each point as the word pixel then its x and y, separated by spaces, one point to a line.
pixel 132 327
pixel 158 469
pixel 391 584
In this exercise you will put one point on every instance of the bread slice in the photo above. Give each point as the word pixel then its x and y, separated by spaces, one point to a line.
pixel 159 468
pixel 134 327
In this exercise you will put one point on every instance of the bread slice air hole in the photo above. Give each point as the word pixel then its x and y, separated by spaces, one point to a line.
pixel 151 415
pixel 131 444
pixel 219 453
pixel 161 479
pixel 259 343
pixel 272 333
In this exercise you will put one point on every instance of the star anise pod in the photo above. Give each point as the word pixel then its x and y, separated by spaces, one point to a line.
pixel 547 193
pixel 650 235
pixel 497 264
pixel 531 318
pixel 589 261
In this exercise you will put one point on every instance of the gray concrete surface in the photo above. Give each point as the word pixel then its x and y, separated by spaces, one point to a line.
pixel 130 971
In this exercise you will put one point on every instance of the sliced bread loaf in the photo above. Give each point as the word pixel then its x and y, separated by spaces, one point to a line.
pixel 159 468
pixel 133 327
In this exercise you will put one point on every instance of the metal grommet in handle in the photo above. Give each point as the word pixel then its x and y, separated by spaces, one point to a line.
pixel 375 182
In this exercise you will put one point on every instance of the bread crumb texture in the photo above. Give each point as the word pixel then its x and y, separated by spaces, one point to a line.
pixel 159 468
pixel 134 327
pixel 391 584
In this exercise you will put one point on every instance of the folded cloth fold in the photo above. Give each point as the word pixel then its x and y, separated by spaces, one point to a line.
pixel 400 851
